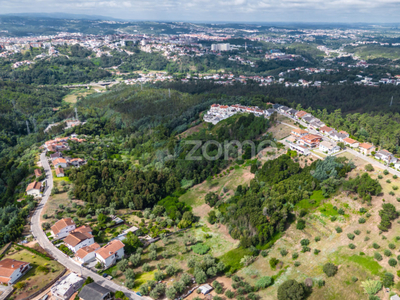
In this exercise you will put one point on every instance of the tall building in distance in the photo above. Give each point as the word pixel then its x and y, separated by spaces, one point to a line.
pixel 220 47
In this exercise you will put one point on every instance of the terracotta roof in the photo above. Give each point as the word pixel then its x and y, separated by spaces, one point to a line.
pixel 310 137
pixel 59 171
pixel 343 132
pixel 59 161
pixel 349 140
pixel 8 267
pixel 75 238
pixel 299 131
pixel 110 249
pixel 33 186
pixel 301 114
pixel 365 146
pixel 81 253
pixel 83 229
pixel 326 129
pixel 38 172
pixel 59 225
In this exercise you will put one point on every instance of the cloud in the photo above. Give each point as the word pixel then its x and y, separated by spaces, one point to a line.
pixel 219 10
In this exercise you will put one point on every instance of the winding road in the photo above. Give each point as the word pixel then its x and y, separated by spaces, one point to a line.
pixel 63 259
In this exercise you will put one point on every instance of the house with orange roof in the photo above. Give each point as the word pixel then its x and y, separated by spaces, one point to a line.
pixel 366 148
pixel 63 227
pixel 302 114
pixel 34 189
pixel 38 173
pixel 298 133
pixel 60 163
pixel 11 270
pixel 77 240
pixel 310 140
pixel 87 253
pixel 326 130
pixel 350 142
pixel 60 172
pixel 110 253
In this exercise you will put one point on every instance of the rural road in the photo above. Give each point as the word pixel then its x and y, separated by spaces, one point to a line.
pixel 56 253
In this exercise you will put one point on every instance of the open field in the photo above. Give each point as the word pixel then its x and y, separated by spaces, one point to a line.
pixel 35 278
pixel 75 93
pixel 281 131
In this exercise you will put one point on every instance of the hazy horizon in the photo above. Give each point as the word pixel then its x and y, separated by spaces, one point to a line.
pixel 285 11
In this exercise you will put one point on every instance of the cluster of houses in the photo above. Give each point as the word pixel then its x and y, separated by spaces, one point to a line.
pixel 300 137
pixel 219 112
pixel 81 242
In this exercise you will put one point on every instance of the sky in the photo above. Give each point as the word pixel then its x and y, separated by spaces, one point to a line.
pixel 369 11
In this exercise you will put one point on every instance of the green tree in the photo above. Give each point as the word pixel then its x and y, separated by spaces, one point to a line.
pixel 291 290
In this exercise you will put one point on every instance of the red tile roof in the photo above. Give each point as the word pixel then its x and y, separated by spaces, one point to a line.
pixel 34 186
pixel 61 224
pixel 110 249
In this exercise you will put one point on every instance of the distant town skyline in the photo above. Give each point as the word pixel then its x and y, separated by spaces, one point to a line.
pixel 368 11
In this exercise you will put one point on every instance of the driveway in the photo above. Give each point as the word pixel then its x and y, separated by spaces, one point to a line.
pixel 63 259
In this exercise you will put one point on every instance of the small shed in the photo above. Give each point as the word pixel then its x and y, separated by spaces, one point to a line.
pixel 205 289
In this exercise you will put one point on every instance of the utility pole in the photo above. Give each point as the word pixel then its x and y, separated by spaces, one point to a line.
pixel 76 113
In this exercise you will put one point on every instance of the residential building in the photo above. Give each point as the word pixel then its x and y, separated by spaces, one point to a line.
pixel 11 270
pixel 76 162
pixel 300 149
pixel 316 124
pixel 55 155
pixel 60 172
pixel 77 240
pixel 269 112
pixel 292 112
pixel 220 47
pixel 344 133
pixel 34 189
pixel 63 227
pixel 38 173
pixel 337 136
pixel 350 142
pixel 87 253
pixel 386 156
pixel 298 133
pixel 94 291
pixel 310 140
pixel 366 148
pixel 60 163
pixel 308 119
pixel 66 286
pixel 326 130
pixel 283 109
pixel 302 114
pixel 110 253
pixel 328 147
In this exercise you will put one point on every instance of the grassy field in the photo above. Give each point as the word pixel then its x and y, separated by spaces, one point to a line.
pixel 35 278
pixel 375 51
pixel 72 97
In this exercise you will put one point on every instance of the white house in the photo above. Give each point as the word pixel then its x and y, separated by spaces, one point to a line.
pixel 66 286
pixel 60 163
pixel 110 253
pixel 205 289
pixel 78 239
pixel 300 149
pixel 62 228
pixel 386 156
pixel 350 142
pixel 60 172
pixel 11 270
pixel 86 254
pixel 34 189
pixel 328 147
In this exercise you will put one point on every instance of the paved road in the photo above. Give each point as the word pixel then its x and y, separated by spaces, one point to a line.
pixel 56 253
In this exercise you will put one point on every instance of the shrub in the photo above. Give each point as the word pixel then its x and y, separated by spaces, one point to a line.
pixel 395 176
pixel 295 255
pixel 317 238
pixel 392 246
pixel 375 246
pixel 354 279
pixel 304 242
pixel 338 229
pixel 369 168
pixel 341 211
pixel 321 283
pixel 391 193
pixel 380 176
pixel 387 252
pixel 388 279
pixel 388 181
pixel 395 187
pixel 371 287
pixel 273 262
pixel 333 218
pixel 377 256
pixel 305 249
pixel 264 282
pixel 385 172
pixel 291 289
pixel 366 239
pixel 352 246
pixel 283 252
pixel 316 251
pixel 361 220
pixel 229 294
pixel 330 269
pixel 301 224
pixel 351 236
pixel 297 263
pixel 200 248
pixel 392 262
pixel 357 232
